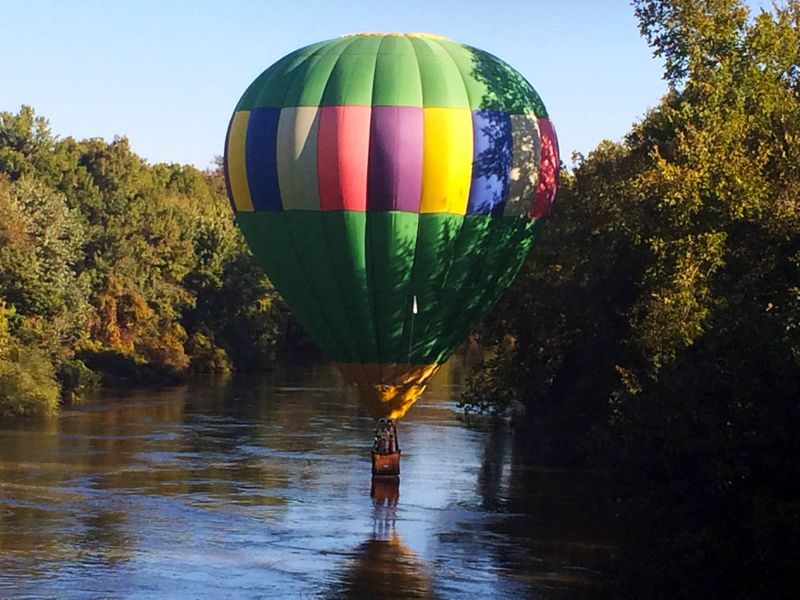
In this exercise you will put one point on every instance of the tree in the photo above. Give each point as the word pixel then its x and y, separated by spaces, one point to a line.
pixel 655 326
pixel 135 270
pixel 27 379
pixel 40 242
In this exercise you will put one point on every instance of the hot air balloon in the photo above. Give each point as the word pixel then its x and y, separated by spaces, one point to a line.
pixel 391 186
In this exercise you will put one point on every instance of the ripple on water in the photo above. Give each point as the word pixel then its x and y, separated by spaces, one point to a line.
pixel 260 487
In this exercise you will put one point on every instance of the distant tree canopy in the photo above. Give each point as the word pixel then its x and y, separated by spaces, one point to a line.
pixel 656 325
pixel 112 265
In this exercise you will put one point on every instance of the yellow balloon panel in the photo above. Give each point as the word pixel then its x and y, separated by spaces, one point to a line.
pixel 236 164
pixel 446 160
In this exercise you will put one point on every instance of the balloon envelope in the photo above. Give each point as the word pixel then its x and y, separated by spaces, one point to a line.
pixel 391 186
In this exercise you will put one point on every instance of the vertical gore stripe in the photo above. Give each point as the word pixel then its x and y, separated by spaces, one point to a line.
pixel 235 155
pixel 307 83
pixel 447 160
pixel 442 84
pixel 297 157
pixel 395 158
pixel 262 169
pixel 491 163
pixel 524 165
pixel 548 171
pixel 435 252
pixel 350 81
pixel 342 157
pixel 390 238
pixel 347 236
pixel 268 237
pixel 472 70
pixel 268 90
pixel 397 78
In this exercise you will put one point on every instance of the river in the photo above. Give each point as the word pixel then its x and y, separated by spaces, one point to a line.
pixel 259 487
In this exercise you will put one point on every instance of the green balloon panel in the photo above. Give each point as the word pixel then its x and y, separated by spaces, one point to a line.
pixel 393 70
pixel 354 279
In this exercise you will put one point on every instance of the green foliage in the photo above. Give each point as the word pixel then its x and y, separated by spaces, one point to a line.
pixel 138 269
pixel 27 380
pixel 123 369
pixel 691 36
pixel 656 323
pixel 567 312
pixel 76 380
pixel 487 392
pixel 687 229
pixel 40 242
pixel 708 461
pixel 207 357
pixel 25 142
pixel 236 302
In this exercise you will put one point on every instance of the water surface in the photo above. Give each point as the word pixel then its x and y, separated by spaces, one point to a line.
pixel 260 487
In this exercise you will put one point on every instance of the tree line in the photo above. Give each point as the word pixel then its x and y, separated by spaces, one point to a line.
pixel 111 267
pixel 653 332
pixel 655 329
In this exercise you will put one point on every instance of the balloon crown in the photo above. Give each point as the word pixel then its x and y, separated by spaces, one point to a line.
pixel 430 36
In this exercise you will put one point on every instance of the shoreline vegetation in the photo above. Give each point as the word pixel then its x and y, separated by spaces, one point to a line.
pixel 655 329
pixel 653 333
pixel 119 272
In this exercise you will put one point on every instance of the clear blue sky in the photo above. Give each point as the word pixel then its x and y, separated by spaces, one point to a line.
pixel 167 73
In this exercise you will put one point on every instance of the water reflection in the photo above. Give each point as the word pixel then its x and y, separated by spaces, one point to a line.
pixel 384 568
pixel 383 565
pixel 260 487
